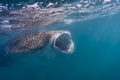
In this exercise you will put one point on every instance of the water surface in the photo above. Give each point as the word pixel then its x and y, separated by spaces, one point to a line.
pixel 95 32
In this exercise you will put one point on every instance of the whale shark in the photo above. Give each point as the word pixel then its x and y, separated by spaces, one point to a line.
pixel 60 40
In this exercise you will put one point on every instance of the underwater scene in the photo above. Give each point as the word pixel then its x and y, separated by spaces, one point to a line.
pixel 59 39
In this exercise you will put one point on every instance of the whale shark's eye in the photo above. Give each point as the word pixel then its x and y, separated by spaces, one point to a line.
pixel 64 43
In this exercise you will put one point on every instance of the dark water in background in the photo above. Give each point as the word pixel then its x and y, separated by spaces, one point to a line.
pixel 96 55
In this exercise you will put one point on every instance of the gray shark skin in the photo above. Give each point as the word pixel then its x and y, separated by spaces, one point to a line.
pixel 26 43
pixel 30 43
pixel 36 41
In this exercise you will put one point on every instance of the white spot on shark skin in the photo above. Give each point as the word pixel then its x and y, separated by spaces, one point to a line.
pixel 106 1
pixel 50 4
pixel 78 5
pixel 35 5
pixel 3 7
pixel 117 0
pixel 6 26
pixel 68 21
pixel 5 21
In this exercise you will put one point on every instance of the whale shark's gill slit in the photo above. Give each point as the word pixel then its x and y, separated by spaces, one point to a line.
pixel 63 42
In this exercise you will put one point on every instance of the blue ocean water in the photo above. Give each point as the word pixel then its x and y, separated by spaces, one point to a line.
pixel 96 54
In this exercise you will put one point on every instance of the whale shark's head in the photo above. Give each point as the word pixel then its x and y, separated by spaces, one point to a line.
pixel 63 42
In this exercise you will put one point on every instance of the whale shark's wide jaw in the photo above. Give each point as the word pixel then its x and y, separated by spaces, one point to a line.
pixel 63 42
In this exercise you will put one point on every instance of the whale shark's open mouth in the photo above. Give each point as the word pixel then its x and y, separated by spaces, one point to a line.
pixel 63 42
